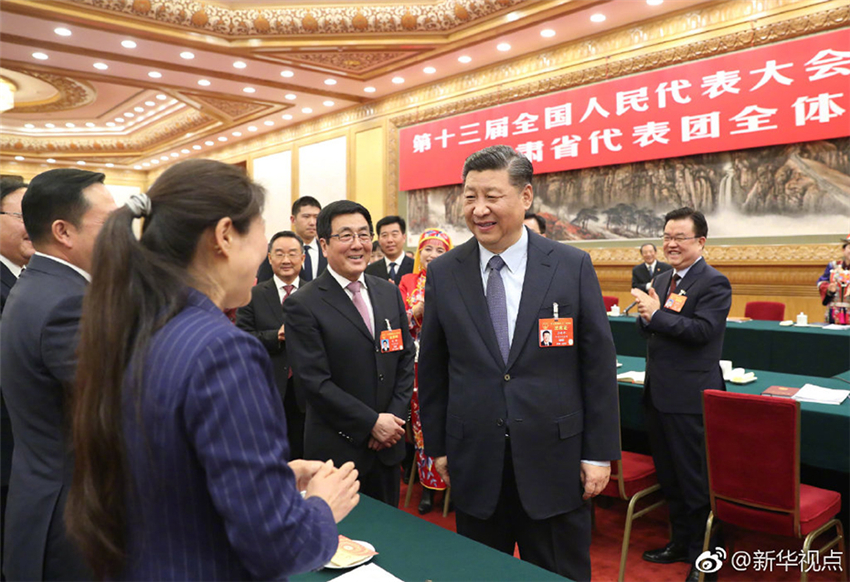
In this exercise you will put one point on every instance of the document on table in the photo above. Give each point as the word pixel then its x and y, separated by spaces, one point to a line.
pixel 635 377
pixel 367 573
pixel 820 395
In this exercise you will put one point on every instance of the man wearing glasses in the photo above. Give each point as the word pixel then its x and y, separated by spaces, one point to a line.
pixel 683 318
pixel 357 394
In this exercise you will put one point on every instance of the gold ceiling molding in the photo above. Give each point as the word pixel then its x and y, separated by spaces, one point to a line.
pixel 344 60
pixel 755 255
pixel 232 109
pixel 72 93
pixel 444 16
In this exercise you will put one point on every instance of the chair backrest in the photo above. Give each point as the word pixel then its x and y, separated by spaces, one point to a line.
pixel 610 301
pixel 765 310
pixel 753 451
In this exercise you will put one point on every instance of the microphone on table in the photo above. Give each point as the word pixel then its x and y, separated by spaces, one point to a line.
pixel 629 307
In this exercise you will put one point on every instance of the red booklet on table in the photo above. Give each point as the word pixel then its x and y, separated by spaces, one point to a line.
pixel 780 391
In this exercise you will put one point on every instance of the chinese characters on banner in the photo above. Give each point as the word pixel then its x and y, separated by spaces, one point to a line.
pixel 790 92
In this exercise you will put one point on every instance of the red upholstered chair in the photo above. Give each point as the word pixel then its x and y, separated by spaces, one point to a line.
pixel 753 454
pixel 765 310
pixel 632 479
pixel 610 301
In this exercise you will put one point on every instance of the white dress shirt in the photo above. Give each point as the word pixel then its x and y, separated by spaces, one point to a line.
pixel 364 292
pixel 16 270
pixel 513 275
pixel 280 284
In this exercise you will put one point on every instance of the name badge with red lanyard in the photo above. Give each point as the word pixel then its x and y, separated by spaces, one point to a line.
pixel 391 340
pixel 555 332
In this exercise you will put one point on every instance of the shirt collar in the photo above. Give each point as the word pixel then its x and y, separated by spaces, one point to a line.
pixel 279 283
pixel 513 255
pixel 684 271
pixel 85 275
pixel 16 270
pixel 343 282
pixel 397 262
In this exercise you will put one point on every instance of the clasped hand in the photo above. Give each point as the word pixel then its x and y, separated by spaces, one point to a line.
pixel 388 430
pixel 647 303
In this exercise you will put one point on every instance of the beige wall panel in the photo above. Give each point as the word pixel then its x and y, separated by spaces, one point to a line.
pixel 274 173
pixel 369 182
pixel 322 170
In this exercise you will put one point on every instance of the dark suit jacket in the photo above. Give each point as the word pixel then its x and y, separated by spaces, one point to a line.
pixel 559 404
pixel 379 269
pixel 641 276
pixel 683 349
pixel 7 440
pixel 262 318
pixel 7 281
pixel 213 496
pixel 347 380
pixel 39 339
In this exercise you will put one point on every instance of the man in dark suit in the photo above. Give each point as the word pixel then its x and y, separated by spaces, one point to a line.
pixel 523 433
pixel 683 318
pixel 357 396
pixel 643 274
pixel 303 219
pixel 63 212
pixel 263 318
pixel 15 251
pixel 395 264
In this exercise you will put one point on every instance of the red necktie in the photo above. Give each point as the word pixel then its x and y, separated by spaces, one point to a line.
pixel 673 282
pixel 287 292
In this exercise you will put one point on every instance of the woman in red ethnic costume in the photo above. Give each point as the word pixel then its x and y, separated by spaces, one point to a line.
pixel 433 243
pixel 834 287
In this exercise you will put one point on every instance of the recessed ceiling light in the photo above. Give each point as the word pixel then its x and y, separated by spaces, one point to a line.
pixel 287 74
pixel 239 65
pixel 328 103
pixel 62 31
pixel 69 124
pixel 236 134
pixel 150 103
pixel 162 97
pixel 464 59
pixel 187 55
pixel 222 138
pixel 598 17
pixel 19 158
pixel 139 109
pixel 268 122
pixel 155 75
pixel 154 161
pixel 369 89
pixel 503 46
pixel 119 119
pixel 512 17
pixel 330 81
pixel 290 96
pixel 429 70
pixel 203 83
pixel 110 124
pixel 163 158
pixel 185 151
pixel 137 167
pixel 398 80
pixel 307 110
pixel 209 143
pixel 174 154
pixel 100 66
pixel 81 162
pixel 89 124
pixel 147 164
pixel 51 161
pixel 196 147
pixel 654 2
pixel 50 125
pixel 547 33
pixel 286 116
pixel 128 44
pixel 40 56
pixel 129 114
pixel 252 128
pixel 110 165
pixel 29 126
pixel 249 90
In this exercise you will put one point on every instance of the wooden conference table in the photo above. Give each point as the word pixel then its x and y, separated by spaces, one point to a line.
pixel 413 549
pixel 825 429
pixel 761 345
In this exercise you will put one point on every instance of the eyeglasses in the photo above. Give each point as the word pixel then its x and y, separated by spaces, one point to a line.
pixel 348 237
pixel 679 239
pixel 17 215
pixel 291 254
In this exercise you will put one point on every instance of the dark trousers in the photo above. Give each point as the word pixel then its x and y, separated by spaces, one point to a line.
pixel 678 450
pixel 294 423
pixel 560 544
pixel 382 483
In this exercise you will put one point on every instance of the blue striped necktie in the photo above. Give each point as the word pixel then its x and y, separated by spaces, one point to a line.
pixel 498 305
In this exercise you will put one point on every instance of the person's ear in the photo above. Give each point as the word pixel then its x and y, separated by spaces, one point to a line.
pixel 323 244
pixel 223 236
pixel 63 233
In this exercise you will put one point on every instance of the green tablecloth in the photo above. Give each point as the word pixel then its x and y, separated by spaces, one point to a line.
pixel 415 550
pixel 825 430
pixel 761 345
pixel 845 376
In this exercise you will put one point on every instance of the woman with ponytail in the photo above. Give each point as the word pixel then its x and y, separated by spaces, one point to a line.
pixel 179 436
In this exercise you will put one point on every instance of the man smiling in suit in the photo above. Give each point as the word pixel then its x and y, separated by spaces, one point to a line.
pixel 357 395
pixel 643 274
pixel 524 433
pixel 263 318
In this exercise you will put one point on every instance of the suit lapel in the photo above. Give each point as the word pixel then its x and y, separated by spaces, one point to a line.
pixel 379 300
pixel 273 298
pixel 692 275
pixel 336 297
pixel 467 274
pixel 538 277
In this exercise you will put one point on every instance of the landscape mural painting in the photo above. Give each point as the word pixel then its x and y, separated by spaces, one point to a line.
pixel 784 190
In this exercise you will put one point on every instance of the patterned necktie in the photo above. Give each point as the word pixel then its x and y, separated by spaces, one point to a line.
pixel 287 291
pixel 673 282
pixel 498 305
pixel 392 271
pixel 649 268
pixel 307 271
pixel 354 287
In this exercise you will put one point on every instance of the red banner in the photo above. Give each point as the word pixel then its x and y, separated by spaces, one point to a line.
pixel 789 92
